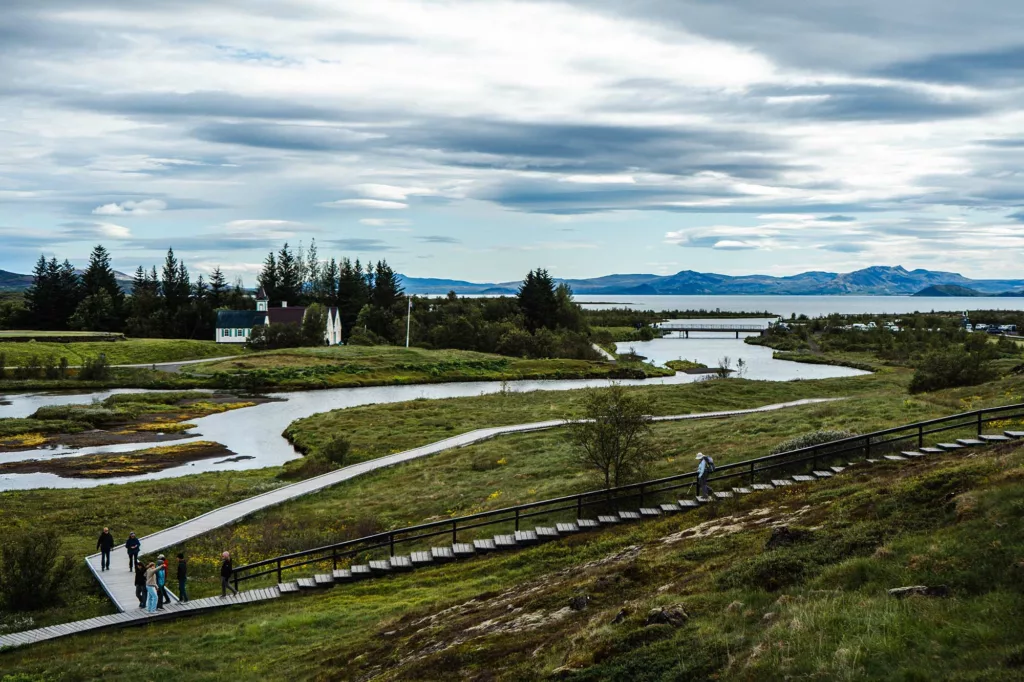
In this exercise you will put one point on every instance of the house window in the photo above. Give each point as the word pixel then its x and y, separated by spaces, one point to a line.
pixel 239 332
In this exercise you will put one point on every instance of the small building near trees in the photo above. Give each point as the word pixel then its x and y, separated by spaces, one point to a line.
pixel 236 326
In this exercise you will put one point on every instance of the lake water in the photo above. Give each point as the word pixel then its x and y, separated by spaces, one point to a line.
pixel 812 306
pixel 256 431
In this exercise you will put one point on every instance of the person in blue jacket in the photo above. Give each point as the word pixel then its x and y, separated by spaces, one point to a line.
pixel 133 546
pixel 706 466
pixel 161 583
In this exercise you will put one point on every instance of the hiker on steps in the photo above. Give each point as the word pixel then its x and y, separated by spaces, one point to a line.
pixel 704 469
pixel 133 546
pixel 151 571
pixel 140 584
pixel 104 544
pixel 225 575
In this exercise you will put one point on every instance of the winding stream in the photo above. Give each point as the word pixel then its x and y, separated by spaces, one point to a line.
pixel 256 431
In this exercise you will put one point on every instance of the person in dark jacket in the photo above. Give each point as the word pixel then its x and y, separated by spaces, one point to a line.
pixel 182 578
pixel 133 546
pixel 104 544
pixel 225 575
pixel 161 583
pixel 140 584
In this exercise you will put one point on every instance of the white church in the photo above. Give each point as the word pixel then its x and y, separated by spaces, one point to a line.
pixel 235 326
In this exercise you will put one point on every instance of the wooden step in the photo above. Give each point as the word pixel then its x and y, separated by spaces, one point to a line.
pixel 306 584
pixel 837 470
pixel 762 486
pixel 687 504
pixel 442 554
pixel 722 495
pixel 994 438
pixel 360 571
pixel 1014 434
pixel 649 512
pixel 911 453
pixel 803 478
pixel 823 474
pixel 931 451
pixel 567 528
pixel 463 550
pixel 670 508
pixel 380 566
pixel 587 524
pixel 505 541
pixel 288 588
pixel 545 533
pixel 780 482
pixel 872 461
pixel 421 558
pixel 704 500
pixel 629 515
pixel 484 545
pixel 324 579
pixel 342 575
pixel 969 442
pixel 895 458
pixel 401 563
pixel 742 491
pixel 950 446
pixel 608 520
pixel 526 537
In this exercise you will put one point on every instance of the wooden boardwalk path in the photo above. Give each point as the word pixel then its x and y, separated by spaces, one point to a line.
pixel 119 583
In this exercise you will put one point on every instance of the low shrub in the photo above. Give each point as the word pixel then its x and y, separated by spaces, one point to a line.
pixel 811 438
pixel 336 450
pixel 32 570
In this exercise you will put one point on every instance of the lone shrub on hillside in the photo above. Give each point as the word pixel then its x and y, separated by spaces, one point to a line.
pixel 612 438
pixel 336 450
pixel 32 571
pixel 94 369
pixel 810 438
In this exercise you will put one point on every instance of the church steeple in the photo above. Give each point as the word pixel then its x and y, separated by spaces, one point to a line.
pixel 262 300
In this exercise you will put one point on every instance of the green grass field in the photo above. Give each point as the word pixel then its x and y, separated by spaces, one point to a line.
pixel 128 352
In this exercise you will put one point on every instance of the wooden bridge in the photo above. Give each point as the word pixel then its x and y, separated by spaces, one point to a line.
pixel 684 328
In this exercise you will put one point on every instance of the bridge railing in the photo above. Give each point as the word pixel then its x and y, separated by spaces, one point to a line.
pixel 635 494
pixel 726 326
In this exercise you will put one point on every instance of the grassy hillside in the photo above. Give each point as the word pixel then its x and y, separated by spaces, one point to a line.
pixel 130 352
pixel 738 604
pixel 345 366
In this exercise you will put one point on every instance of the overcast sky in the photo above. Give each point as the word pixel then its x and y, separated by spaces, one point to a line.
pixel 476 140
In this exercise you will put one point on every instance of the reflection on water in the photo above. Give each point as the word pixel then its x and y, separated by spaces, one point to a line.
pixel 256 431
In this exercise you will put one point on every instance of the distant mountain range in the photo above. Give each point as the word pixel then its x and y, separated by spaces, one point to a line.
pixel 873 281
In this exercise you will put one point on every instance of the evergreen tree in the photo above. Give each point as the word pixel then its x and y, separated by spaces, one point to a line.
pixel 269 278
pixel 352 295
pixel 39 296
pixel 218 288
pixel 96 312
pixel 67 292
pixel 170 285
pixel 328 287
pixel 313 270
pixel 387 290
pixel 537 300
pixel 99 277
pixel 289 275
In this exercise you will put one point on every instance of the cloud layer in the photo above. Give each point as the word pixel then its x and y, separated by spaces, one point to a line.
pixel 740 135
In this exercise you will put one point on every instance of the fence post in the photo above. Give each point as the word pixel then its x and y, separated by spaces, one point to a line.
pixel 334 558
pixel 979 423
pixel 391 539
pixel 235 576
pixel 751 473
pixel 867 447
pixel 455 532
pixel 278 571
pixel 920 435
pixel 517 518
pixel 579 507
pixel 641 495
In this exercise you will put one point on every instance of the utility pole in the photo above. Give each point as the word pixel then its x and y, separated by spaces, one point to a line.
pixel 408 322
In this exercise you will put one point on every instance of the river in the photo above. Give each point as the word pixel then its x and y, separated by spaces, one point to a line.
pixel 812 306
pixel 256 431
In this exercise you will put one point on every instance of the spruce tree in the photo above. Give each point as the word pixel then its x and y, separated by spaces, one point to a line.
pixel 39 296
pixel 269 278
pixel 99 277
pixel 537 300
pixel 218 288
pixel 387 289
pixel 289 275
pixel 352 295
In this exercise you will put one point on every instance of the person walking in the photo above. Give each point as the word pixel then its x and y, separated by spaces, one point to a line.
pixel 133 546
pixel 182 578
pixel 706 466
pixel 225 575
pixel 161 582
pixel 104 544
pixel 151 571
pixel 140 583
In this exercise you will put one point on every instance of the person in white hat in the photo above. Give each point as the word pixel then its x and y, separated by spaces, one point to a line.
pixel 706 466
